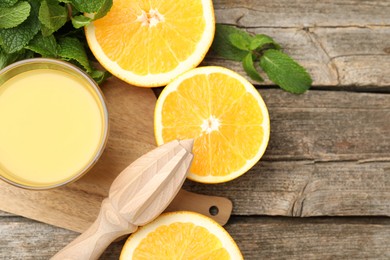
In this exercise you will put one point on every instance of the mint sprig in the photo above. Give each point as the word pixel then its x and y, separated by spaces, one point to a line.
pixel 49 28
pixel 261 51
pixel 284 71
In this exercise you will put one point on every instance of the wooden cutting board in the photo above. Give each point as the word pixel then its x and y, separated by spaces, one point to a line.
pixel 76 205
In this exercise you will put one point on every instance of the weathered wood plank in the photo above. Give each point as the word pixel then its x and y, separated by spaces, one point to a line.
pixel 360 56
pixel 281 238
pixel 303 13
pixel 340 43
pixel 258 238
pixel 307 189
pixel 328 126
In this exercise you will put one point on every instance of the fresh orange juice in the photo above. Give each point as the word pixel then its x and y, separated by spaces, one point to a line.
pixel 53 126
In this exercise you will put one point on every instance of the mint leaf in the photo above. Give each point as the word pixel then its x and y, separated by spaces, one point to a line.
pixel 250 69
pixel 15 15
pixel 44 46
pixel 222 45
pixel 100 76
pixel 52 15
pixel 260 40
pixel 103 10
pixel 98 8
pixel 8 58
pixel 14 39
pixel 80 21
pixel 71 49
pixel 239 41
pixel 285 72
pixel 46 31
pixel 8 3
pixel 88 6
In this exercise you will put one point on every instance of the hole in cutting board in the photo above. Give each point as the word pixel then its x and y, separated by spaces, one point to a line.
pixel 213 210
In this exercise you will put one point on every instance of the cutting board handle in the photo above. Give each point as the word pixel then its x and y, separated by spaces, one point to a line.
pixel 217 208
pixel 92 243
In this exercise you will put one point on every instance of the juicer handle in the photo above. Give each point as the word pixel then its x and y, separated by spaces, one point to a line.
pixel 92 243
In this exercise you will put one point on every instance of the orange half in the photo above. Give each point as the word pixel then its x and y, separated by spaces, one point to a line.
pixel 181 235
pixel 225 115
pixel 148 42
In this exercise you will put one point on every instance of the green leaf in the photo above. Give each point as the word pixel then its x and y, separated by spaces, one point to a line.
pixel 15 15
pixel 8 58
pixel 99 76
pixel 103 10
pixel 80 21
pixel 8 3
pixel 71 49
pixel 46 31
pixel 96 9
pixel 222 45
pixel 44 46
pixel 260 40
pixel 250 69
pixel 285 72
pixel 14 39
pixel 52 15
pixel 239 41
pixel 88 6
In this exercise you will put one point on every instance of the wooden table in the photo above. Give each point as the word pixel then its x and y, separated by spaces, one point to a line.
pixel 322 190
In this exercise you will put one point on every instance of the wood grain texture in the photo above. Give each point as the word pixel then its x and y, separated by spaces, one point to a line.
pixel 300 13
pixel 307 189
pixel 328 126
pixel 323 238
pixel 340 43
pixel 257 238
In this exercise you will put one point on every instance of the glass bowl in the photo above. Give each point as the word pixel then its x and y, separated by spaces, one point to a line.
pixel 53 123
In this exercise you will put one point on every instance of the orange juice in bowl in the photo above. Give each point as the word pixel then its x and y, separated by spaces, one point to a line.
pixel 53 123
